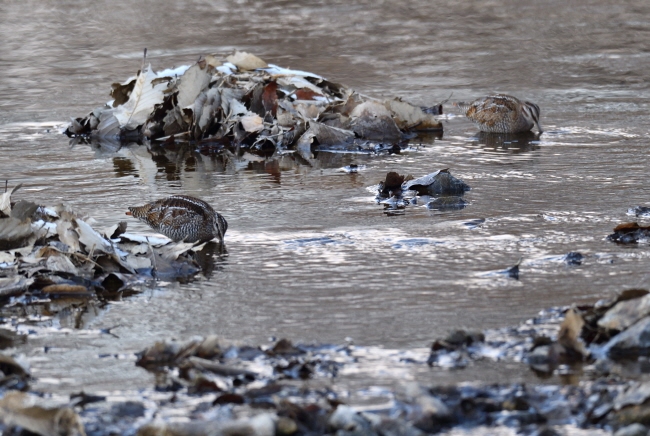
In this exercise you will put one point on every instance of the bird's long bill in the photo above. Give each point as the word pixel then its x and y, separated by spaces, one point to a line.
pixel 539 127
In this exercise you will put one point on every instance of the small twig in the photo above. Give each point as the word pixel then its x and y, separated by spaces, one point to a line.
pixel 144 58
pixel 153 254
pixel 445 101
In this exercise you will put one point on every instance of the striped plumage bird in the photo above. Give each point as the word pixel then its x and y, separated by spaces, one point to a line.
pixel 182 218
pixel 502 113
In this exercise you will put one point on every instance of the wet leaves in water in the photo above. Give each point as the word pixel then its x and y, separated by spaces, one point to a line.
pixel 630 233
pixel 216 101
pixel 59 255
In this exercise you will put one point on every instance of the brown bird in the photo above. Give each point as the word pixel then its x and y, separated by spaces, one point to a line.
pixel 182 218
pixel 502 113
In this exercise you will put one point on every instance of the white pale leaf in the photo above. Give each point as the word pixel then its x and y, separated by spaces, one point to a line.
pixel 92 239
pixel 5 200
pixel 246 61
pixel 298 83
pixel 252 122
pixel 144 97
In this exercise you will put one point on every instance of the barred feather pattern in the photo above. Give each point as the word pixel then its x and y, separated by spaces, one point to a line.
pixel 502 113
pixel 182 218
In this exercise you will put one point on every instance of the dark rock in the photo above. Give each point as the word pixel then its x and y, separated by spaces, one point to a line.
pixel 128 409
pixel 634 341
pixel 438 183
pixel 574 258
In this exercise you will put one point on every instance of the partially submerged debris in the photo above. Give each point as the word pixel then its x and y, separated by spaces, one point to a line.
pixel 58 253
pixel 221 387
pixel 247 103
pixel 547 355
pixel 630 233
pixel 438 190
pixel 20 409
pixel 573 258
pixel 254 384
pixel 440 182
pixel 639 211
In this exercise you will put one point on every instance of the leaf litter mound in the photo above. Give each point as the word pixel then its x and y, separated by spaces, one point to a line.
pixel 48 252
pixel 243 102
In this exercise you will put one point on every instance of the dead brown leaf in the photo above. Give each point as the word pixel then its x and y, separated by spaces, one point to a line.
pixel 569 335
pixel 64 289
pixel 306 94
pixel 270 98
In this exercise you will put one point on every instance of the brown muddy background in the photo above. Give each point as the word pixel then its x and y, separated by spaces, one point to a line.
pixel 311 256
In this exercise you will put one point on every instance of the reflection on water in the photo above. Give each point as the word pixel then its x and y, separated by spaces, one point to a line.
pixel 309 253
pixel 511 142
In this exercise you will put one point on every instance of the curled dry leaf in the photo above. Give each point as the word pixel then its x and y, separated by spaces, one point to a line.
pixel 246 61
pixel 64 289
pixel 5 200
pixel 252 123
pixel 91 239
pixel 144 96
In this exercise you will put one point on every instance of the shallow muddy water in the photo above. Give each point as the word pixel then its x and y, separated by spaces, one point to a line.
pixel 311 256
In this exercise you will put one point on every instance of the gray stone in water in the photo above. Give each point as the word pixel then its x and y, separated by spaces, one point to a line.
pixel 348 422
pixel 632 430
pixel 633 341
pixel 635 395
pixel 625 313
pixel 438 183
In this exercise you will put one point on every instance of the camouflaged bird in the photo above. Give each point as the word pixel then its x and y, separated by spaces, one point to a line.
pixel 502 113
pixel 182 218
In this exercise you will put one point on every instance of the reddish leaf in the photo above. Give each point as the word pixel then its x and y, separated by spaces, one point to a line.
pixel 270 98
pixel 306 94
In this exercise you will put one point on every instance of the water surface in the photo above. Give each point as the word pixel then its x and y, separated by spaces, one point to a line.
pixel 310 255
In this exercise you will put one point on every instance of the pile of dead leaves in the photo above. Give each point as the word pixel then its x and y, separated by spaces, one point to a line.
pixel 52 251
pixel 244 102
